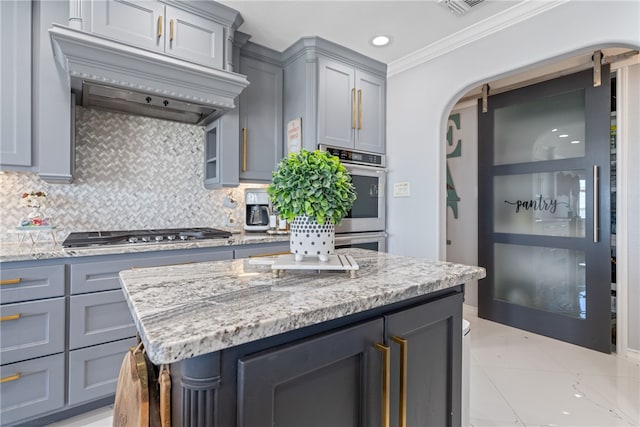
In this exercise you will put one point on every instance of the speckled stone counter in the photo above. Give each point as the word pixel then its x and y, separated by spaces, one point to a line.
pixel 10 251
pixel 184 311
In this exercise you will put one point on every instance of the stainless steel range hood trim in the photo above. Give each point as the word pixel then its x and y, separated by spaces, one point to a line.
pixel 90 57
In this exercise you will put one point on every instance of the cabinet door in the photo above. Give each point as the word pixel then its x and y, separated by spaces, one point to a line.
pixel 260 120
pixel 93 371
pixel 371 98
pixel 138 23
pixel 433 334
pixel 15 83
pixel 193 38
pixel 99 317
pixel 331 380
pixel 337 116
pixel 31 329
pixel 31 388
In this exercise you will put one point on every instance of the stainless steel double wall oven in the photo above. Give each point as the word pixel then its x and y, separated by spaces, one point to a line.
pixel 364 225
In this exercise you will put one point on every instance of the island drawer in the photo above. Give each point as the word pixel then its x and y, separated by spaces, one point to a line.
pixel 31 329
pixel 30 283
pixel 31 388
pixel 103 275
pixel 93 371
pixel 98 318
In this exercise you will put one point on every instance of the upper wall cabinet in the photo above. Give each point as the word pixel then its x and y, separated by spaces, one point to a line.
pixel 159 27
pixel 15 83
pixel 339 94
pixel 351 107
pixel 261 143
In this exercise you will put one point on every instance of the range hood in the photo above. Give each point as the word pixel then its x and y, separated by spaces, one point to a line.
pixel 110 75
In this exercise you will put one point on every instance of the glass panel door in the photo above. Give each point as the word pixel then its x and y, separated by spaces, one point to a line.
pixel 544 210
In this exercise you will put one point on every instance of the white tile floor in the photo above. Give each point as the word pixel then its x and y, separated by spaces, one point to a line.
pixel 522 379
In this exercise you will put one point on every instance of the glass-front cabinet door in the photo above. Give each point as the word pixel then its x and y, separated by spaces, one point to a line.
pixel 544 209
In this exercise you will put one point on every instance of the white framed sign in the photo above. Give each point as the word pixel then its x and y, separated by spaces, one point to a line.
pixel 294 135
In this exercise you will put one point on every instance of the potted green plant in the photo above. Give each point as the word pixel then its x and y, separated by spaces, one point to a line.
pixel 313 191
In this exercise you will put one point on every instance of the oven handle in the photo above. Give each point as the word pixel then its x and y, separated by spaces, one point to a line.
pixel 351 167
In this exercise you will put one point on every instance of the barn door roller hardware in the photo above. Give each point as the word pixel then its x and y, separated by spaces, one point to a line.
pixel 485 96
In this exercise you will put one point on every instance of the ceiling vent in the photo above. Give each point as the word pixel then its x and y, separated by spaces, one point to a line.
pixel 459 6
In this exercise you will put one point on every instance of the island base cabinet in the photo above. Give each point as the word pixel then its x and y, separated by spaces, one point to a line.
pixel 432 337
pixel 330 380
pixel 31 388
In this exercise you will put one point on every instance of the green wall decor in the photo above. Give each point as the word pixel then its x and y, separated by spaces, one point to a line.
pixel 452 194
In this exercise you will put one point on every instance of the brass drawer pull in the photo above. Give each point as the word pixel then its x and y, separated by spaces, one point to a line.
pixel 403 380
pixel 13 377
pixel 353 108
pixel 11 317
pixel 11 281
pixel 159 26
pixel 244 149
pixel 386 381
pixel 359 108
pixel 171 30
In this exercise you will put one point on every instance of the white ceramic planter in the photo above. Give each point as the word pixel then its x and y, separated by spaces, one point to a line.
pixel 308 238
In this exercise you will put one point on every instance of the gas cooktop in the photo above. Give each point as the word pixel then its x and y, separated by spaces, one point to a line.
pixel 127 237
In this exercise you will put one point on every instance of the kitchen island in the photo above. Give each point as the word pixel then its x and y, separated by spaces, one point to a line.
pixel 247 348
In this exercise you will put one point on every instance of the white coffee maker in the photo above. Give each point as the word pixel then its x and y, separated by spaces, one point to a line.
pixel 257 209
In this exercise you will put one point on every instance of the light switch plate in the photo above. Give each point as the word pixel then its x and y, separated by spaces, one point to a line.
pixel 401 189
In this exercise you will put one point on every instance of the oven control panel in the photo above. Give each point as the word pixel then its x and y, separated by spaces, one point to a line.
pixel 357 157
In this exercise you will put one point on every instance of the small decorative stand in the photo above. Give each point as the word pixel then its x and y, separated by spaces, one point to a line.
pixel 335 263
pixel 34 233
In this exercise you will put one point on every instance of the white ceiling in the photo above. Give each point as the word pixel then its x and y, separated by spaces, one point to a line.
pixel 412 25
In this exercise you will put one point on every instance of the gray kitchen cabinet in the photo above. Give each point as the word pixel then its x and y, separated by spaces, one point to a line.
pixel 93 371
pixel 102 275
pixel 336 373
pixel 98 318
pixel 220 153
pixel 351 107
pixel 31 387
pixel 31 283
pixel 260 109
pixel 432 338
pixel 339 94
pixel 31 329
pixel 262 250
pixel 159 27
pixel 15 84
pixel 330 380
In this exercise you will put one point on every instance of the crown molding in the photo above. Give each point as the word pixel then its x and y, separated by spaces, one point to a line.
pixel 515 14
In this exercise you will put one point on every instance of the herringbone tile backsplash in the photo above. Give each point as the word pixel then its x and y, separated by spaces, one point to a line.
pixel 131 173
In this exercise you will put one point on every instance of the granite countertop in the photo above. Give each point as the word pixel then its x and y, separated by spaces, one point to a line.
pixel 184 311
pixel 11 251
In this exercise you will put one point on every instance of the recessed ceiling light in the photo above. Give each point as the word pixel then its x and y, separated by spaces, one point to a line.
pixel 554 130
pixel 564 135
pixel 575 141
pixel 380 40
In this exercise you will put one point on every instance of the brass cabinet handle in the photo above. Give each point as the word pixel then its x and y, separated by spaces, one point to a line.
pixel 386 381
pixel 11 317
pixel 359 108
pixel 353 108
pixel 244 149
pixel 171 30
pixel 13 377
pixel 10 281
pixel 159 26
pixel 403 380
